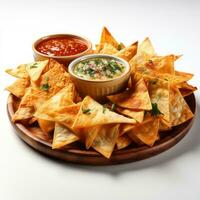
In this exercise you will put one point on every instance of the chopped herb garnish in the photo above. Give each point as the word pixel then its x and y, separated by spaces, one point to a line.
pixel 155 111
pixel 119 47
pixel 104 109
pixel 86 111
pixel 45 87
pixel 113 107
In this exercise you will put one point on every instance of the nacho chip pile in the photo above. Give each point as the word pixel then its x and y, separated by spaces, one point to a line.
pixel 153 101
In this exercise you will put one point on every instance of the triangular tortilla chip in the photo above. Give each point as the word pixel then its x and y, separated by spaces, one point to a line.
pixel 45 125
pixel 106 139
pixel 106 37
pixel 54 80
pixel 62 136
pixel 35 69
pixel 90 134
pixel 36 131
pixel 159 94
pixel 64 115
pixel 137 98
pixel 123 142
pixel 125 128
pixel 186 89
pixel 146 132
pixel 128 52
pixel 19 72
pixel 179 110
pixel 146 47
pixel 164 64
pixel 18 88
pixel 92 113
pixel 135 114
pixel 145 52
pixel 108 49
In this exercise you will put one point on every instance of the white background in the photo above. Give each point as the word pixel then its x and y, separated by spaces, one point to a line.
pixel 173 26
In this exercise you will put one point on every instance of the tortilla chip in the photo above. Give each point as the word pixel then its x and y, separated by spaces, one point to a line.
pixel 37 132
pixel 108 49
pixel 146 132
pixel 128 52
pixel 145 52
pixel 106 139
pixel 54 80
pixel 164 126
pixel 23 113
pixel 124 128
pixel 18 88
pixel 179 110
pixel 186 89
pixel 35 69
pixel 188 76
pixel 135 114
pixel 164 64
pixel 62 136
pixel 92 113
pixel 159 94
pixel 19 72
pixel 90 134
pixel 123 142
pixel 26 108
pixel 106 37
pixel 137 98
pixel 45 125
pixel 64 115
pixel 146 47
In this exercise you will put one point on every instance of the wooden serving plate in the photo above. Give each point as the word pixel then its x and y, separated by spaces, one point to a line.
pixel 90 157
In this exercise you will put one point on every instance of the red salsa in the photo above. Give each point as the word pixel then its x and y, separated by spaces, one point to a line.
pixel 61 46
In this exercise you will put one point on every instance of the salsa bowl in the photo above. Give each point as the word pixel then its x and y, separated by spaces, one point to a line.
pixel 96 88
pixel 64 48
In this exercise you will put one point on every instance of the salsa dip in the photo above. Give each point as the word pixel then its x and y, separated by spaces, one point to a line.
pixel 99 75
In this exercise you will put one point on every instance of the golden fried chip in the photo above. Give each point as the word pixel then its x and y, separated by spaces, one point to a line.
pixel 62 136
pixel 108 49
pixel 64 115
pixel 123 142
pixel 35 69
pixel 128 52
pixel 18 88
pixel 92 113
pixel 36 131
pixel 137 98
pixel 146 132
pixel 19 72
pixel 125 128
pixel 106 139
pixel 106 37
pixel 186 89
pixel 179 110
pixel 135 114
pixel 45 125
pixel 23 113
pixel 54 80
pixel 159 94
pixel 90 134
pixel 145 52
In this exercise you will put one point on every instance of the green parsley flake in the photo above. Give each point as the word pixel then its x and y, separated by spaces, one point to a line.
pixel 45 87
pixel 155 111
pixel 113 107
pixel 86 111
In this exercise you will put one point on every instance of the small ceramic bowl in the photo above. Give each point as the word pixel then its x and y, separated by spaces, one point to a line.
pixel 61 59
pixel 99 89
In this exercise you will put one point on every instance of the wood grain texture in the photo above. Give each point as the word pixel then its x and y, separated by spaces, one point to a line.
pixel 90 157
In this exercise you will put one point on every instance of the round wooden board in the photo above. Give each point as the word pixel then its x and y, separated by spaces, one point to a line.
pixel 90 157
